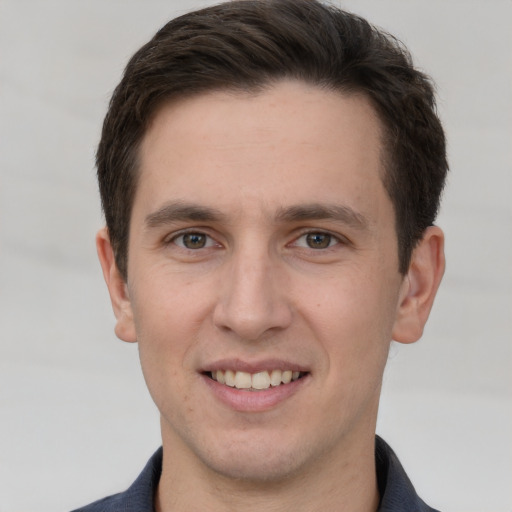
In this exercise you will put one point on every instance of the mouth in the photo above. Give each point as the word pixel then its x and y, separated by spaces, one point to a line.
pixel 258 381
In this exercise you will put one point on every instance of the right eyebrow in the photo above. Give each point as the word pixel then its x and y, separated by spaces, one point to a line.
pixel 181 211
pixel 319 211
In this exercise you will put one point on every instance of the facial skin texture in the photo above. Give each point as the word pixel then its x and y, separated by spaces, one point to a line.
pixel 255 174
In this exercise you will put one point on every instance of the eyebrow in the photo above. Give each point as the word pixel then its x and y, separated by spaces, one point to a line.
pixel 317 211
pixel 180 211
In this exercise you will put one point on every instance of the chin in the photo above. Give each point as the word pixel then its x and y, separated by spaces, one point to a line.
pixel 255 469
pixel 257 461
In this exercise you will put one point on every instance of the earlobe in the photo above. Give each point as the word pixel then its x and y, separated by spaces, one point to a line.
pixel 420 286
pixel 125 327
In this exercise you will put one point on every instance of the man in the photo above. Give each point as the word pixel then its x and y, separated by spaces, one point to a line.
pixel 270 172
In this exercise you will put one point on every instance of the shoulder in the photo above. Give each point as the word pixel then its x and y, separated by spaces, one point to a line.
pixel 109 504
pixel 396 490
pixel 139 497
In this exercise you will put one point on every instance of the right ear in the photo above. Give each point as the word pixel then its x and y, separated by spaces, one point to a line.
pixel 117 288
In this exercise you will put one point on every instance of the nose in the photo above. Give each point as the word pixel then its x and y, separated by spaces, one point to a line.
pixel 252 299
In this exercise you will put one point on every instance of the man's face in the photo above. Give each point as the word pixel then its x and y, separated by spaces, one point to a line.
pixel 262 245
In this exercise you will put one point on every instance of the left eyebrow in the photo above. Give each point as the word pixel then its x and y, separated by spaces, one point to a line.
pixel 181 211
pixel 318 211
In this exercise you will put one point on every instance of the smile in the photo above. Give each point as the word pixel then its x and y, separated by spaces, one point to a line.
pixel 255 381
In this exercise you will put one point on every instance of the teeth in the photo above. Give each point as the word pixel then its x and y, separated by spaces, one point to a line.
pixel 243 380
pixel 255 381
pixel 229 378
pixel 260 380
pixel 275 377
pixel 219 376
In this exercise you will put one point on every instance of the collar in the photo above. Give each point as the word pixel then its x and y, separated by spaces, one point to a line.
pixel 396 490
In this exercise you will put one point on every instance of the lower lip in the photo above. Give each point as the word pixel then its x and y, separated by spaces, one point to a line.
pixel 254 401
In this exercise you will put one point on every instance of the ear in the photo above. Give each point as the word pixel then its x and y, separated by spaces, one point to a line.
pixel 420 286
pixel 117 287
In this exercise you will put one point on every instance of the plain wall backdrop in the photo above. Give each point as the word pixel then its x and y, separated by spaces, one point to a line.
pixel 76 421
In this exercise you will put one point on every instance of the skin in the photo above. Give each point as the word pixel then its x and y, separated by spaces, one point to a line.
pixel 254 175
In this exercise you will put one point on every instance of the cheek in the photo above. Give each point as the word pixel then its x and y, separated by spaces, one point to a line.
pixel 167 304
pixel 363 303
pixel 164 326
pixel 164 343
pixel 353 319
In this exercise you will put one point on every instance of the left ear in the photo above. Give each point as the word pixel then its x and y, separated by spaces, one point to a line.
pixel 420 286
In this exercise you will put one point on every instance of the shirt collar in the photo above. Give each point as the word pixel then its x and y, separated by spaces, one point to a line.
pixel 397 493
pixel 396 490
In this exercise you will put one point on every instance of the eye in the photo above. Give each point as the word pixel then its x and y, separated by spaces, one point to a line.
pixel 193 241
pixel 316 240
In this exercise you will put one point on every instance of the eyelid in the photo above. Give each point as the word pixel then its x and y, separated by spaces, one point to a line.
pixel 339 239
pixel 212 242
pixel 171 239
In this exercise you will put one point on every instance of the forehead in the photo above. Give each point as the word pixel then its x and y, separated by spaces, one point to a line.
pixel 292 143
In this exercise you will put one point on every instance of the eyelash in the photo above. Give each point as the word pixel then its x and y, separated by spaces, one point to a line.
pixel 334 240
pixel 210 242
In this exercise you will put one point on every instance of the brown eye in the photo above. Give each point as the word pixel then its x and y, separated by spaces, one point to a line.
pixel 318 240
pixel 193 240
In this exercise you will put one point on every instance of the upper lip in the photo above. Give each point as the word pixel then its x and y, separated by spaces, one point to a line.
pixel 240 365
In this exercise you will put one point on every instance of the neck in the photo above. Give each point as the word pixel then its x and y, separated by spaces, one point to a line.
pixel 344 480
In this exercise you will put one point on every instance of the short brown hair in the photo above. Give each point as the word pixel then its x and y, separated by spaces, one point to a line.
pixel 250 44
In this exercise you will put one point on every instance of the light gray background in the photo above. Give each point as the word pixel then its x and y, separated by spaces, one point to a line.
pixel 76 422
